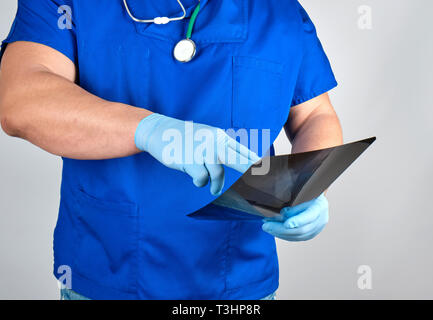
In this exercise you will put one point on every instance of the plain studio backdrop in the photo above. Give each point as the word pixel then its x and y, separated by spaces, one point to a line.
pixel 381 217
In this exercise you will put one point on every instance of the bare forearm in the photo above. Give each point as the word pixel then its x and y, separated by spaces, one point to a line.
pixel 318 132
pixel 62 118
pixel 314 125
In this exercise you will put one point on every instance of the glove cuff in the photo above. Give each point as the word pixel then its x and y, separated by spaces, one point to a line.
pixel 145 129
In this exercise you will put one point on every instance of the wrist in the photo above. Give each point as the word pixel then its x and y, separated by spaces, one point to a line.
pixel 145 129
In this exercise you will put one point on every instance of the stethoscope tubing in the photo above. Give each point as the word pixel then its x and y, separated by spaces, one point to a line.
pixel 157 20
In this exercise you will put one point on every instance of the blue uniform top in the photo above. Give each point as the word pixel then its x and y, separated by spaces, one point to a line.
pixel 123 226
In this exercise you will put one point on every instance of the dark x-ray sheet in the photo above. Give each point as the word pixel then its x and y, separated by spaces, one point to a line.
pixel 291 180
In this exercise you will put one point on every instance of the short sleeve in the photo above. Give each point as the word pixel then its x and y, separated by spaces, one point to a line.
pixel 46 22
pixel 315 75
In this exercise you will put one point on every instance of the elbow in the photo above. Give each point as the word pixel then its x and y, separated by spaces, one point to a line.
pixel 10 120
pixel 8 125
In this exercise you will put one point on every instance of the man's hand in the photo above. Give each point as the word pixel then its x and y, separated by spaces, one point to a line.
pixel 312 125
pixel 201 150
pixel 300 223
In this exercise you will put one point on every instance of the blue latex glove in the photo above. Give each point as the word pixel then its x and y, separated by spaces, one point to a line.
pixel 196 149
pixel 300 223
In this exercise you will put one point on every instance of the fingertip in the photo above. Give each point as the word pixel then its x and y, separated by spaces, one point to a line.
pixel 197 184
pixel 200 182
pixel 291 224
pixel 217 184
pixel 216 191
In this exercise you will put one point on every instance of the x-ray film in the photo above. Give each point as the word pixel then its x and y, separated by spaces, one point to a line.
pixel 290 180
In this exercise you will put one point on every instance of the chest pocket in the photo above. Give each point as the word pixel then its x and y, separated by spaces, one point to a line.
pixel 257 94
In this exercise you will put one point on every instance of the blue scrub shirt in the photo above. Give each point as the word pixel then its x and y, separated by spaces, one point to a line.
pixel 123 226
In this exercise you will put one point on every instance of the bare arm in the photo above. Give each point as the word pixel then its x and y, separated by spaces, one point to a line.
pixel 40 102
pixel 314 125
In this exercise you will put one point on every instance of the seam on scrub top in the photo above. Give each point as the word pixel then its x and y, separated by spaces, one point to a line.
pixel 47 43
pixel 250 283
pixel 224 258
pixel 314 94
pixel 253 63
pixel 241 38
pixel 137 251
pixel 233 93
pixel 248 67
pixel 84 278
pixel 135 247
pixel 233 225
pixel 153 35
pixel 76 18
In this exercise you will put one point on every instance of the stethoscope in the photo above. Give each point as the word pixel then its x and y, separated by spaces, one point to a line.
pixel 185 49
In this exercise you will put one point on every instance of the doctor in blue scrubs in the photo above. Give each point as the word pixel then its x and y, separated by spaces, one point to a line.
pixel 116 92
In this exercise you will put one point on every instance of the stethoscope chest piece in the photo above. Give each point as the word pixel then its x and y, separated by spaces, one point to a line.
pixel 185 50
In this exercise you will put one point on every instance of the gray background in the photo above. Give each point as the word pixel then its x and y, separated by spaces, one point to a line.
pixel 381 212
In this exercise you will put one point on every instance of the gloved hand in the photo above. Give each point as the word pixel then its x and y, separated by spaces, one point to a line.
pixel 300 223
pixel 196 149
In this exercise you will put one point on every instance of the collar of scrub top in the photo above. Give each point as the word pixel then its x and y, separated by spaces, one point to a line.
pixel 213 26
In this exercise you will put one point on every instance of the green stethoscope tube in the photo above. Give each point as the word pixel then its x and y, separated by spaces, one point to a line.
pixel 192 21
